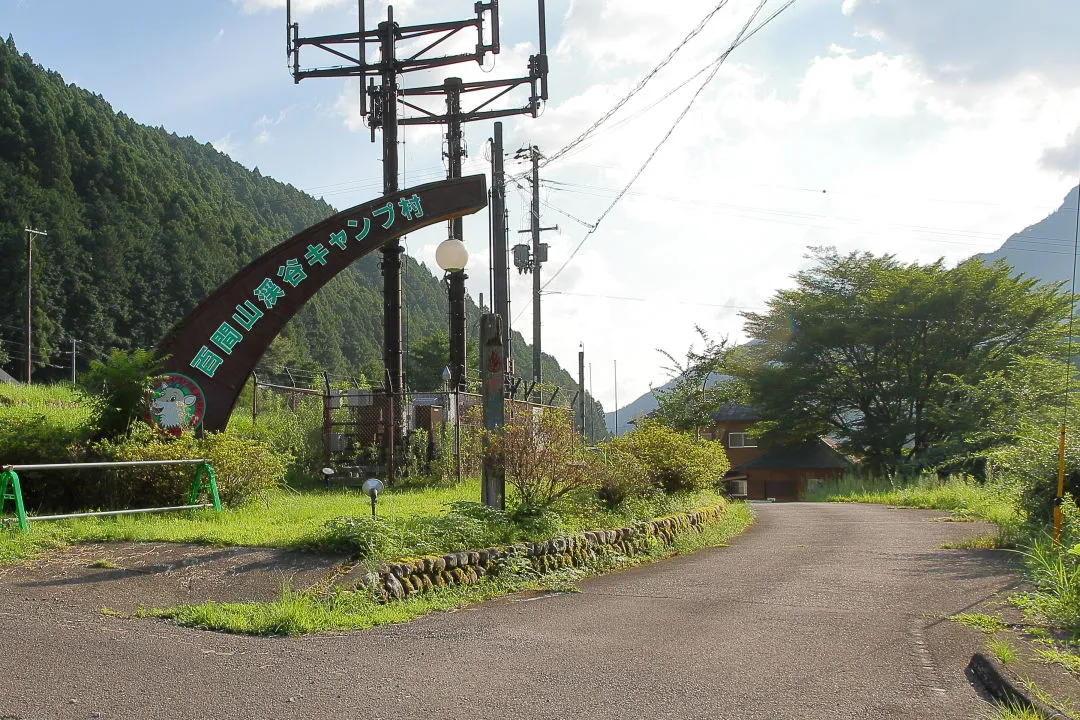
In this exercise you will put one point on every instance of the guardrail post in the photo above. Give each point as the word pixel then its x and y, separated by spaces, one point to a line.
pixel 11 490
pixel 205 478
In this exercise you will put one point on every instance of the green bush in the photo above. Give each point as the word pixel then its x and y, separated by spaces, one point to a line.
pixel 674 461
pixel 542 456
pixel 120 388
pixel 465 526
pixel 43 423
pixel 243 466
pixel 618 474
pixel 291 427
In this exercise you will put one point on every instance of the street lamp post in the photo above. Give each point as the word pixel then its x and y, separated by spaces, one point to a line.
pixel 30 233
pixel 452 256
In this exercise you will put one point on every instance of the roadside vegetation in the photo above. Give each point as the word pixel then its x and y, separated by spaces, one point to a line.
pixel 266 472
pixel 947 387
pixel 297 613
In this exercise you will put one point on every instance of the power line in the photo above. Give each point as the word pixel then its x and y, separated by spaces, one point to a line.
pixel 744 34
pixel 654 301
pixel 637 88
pixel 740 210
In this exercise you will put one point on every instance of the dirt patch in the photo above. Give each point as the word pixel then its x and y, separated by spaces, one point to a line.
pixel 123 576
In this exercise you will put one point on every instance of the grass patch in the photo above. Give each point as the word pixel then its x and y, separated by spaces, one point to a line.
pixel 1065 659
pixel 979 621
pixel 301 613
pixel 965 498
pixel 104 564
pixel 979 542
pixel 1002 650
pixel 283 518
pixel 1016 712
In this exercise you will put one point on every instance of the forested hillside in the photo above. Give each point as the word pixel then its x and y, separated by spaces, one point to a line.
pixel 143 224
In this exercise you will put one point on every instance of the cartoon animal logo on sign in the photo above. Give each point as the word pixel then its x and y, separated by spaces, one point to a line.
pixel 176 404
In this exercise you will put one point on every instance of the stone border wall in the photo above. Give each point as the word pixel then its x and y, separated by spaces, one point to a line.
pixel 402 579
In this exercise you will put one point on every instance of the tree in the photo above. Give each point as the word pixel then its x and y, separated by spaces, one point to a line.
pixel 700 384
pixel 426 360
pixel 911 365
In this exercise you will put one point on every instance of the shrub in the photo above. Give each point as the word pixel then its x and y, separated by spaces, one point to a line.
pixel 120 386
pixel 291 426
pixel 43 423
pixel 618 473
pixel 465 526
pixel 674 461
pixel 542 456
pixel 243 466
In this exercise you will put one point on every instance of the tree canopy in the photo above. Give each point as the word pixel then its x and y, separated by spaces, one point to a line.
pixel 910 365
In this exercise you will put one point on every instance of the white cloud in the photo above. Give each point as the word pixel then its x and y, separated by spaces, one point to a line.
pixel 299 7
pixel 922 148
pixel 977 40
pixel 264 123
pixel 1064 158
pixel 225 145
pixel 220 34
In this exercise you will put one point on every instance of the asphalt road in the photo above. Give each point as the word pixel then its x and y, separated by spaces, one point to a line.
pixel 818 611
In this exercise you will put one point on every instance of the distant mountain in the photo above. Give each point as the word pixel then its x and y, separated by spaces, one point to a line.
pixel 642 406
pixel 1045 249
pixel 646 404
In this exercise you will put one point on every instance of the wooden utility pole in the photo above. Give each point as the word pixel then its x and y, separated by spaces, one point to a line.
pixel 493 378
pixel 30 233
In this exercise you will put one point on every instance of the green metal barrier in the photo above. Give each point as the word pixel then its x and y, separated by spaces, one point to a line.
pixel 11 489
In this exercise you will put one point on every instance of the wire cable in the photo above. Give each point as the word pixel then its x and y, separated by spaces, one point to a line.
pixel 637 88
pixel 744 34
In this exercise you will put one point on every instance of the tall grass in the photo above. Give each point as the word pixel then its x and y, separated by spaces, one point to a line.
pixel 996 502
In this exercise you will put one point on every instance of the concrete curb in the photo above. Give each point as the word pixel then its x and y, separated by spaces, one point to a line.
pixel 990 675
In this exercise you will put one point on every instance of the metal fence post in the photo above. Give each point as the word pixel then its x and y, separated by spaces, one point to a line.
pixel 11 490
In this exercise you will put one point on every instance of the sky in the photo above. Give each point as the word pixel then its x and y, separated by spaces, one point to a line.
pixel 921 128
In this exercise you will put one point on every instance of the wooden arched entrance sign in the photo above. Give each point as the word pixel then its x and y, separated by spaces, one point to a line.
pixel 212 352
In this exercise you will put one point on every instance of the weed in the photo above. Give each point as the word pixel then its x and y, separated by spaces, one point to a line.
pixel 979 621
pixel 300 613
pixel 110 612
pixel 1014 711
pixel 104 564
pixel 979 542
pixel 1002 650
pixel 1065 659
pixel 962 496
pixel 1055 573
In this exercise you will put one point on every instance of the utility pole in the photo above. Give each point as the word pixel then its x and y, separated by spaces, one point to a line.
pixel 73 341
pixel 385 98
pixel 538 256
pixel 30 233
pixel 455 151
pixel 581 391
pixel 615 369
pixel 500 293
pixel 380 105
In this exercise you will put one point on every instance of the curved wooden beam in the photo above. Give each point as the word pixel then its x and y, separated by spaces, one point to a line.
pixel 212 352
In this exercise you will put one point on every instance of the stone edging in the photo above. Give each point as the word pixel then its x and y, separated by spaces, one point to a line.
pixel 395 581
pixel 992 677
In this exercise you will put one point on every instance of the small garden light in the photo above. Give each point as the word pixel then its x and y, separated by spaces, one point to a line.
pixel 372 487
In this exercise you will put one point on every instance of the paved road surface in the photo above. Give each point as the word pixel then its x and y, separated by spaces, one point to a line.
pixel 818 611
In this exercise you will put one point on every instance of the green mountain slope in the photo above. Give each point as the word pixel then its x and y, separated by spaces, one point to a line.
pixel 143 224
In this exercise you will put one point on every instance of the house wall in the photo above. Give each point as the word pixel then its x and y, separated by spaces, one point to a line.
pixel 736 456
pixel 762 484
